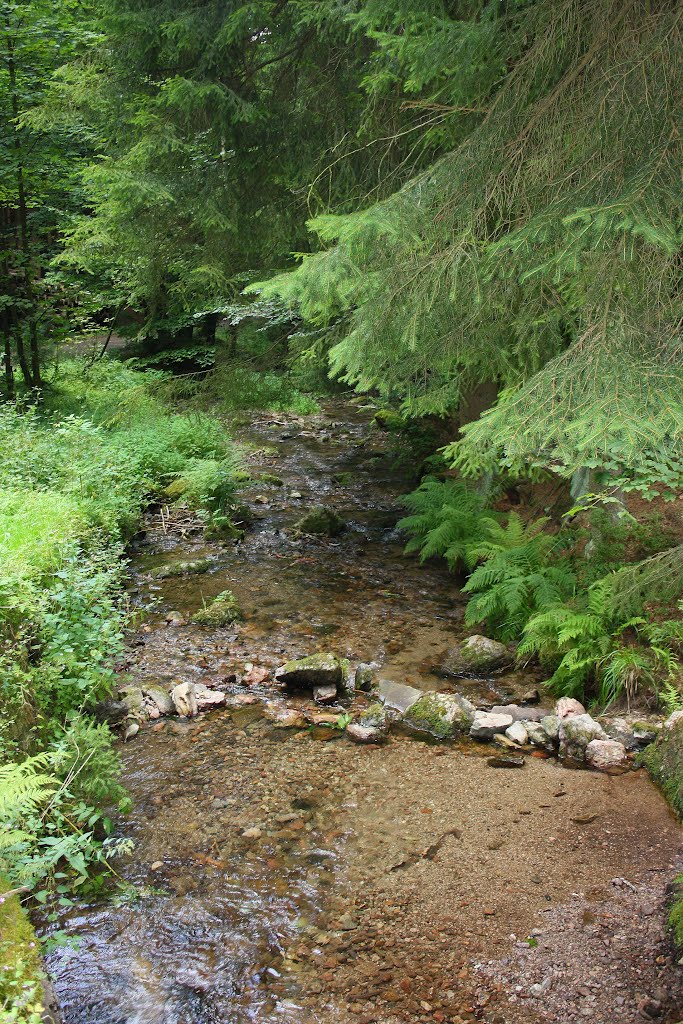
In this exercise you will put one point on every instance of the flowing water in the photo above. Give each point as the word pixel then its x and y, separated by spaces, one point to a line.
pixel 288 875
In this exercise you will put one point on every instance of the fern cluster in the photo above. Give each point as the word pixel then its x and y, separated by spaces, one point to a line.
pixel 520 572
pixel 526 582
pixel 515 568
pixel 585 644
pixel 447 520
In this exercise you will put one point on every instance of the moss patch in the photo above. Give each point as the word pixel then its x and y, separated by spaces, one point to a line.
pixel 676 913
pixel 321 522
pixel 222 611
pixel 197 567
pixel 21 976
pixel 439 714
pixel 664 761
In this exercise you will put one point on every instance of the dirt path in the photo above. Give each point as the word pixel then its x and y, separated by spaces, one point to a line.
pixel 284 879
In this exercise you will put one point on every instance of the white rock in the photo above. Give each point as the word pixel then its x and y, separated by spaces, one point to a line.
pixel 567 706
pixel 673 720
pixel 485 725
pixel 517 733
pixel 606 754
pixel 184 699
pixel 208 698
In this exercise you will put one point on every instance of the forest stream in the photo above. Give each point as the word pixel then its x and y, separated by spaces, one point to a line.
pixel 291 875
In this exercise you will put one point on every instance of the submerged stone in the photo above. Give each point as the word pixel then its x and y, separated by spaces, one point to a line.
pixel 321 522
pixel 222 611
pixel 364 733
pixel 443 715
pixel 325 694
pixel 200 565
pixel 505 761
pixel 374 717
pixel 397 695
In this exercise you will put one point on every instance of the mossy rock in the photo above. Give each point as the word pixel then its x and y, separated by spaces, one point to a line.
pixel 199 566
pixel 664 761
pixel 315 670
pixel 442 715
pixel 342 479
pixel 270 478
pixel 22 979
pixel 676 912
pixel 176 489
pixel 242 476
pixel 223 528
pixel 374 717
pixel 389 419
pixel 222 611
pixel 321 522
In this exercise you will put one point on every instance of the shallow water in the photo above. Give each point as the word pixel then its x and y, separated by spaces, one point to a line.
pixel 252 842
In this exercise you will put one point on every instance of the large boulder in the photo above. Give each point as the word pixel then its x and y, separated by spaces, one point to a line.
pixel 444 715
pixel 133 698
pixel 551 727
pixel 606 755
pixel 110 711
pixel 320 522
pixel 664 760
pixel 196 567
pixel 315 670
pixel 486 725
pixel 576 732
pixel 476 657
pixel 622 731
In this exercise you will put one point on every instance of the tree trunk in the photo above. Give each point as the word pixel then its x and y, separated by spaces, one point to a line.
pixel 32 373
pixel 207 331
pixel 7 357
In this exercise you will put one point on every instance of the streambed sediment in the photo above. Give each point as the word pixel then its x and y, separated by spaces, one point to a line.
pixel 286 878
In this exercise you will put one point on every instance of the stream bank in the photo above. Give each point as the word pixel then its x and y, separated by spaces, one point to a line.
pixel 282 878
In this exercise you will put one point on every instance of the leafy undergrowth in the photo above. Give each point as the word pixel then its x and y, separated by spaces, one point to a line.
pixel 74 480
pixel 593 623
pixel 232 387
pixel 21 996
